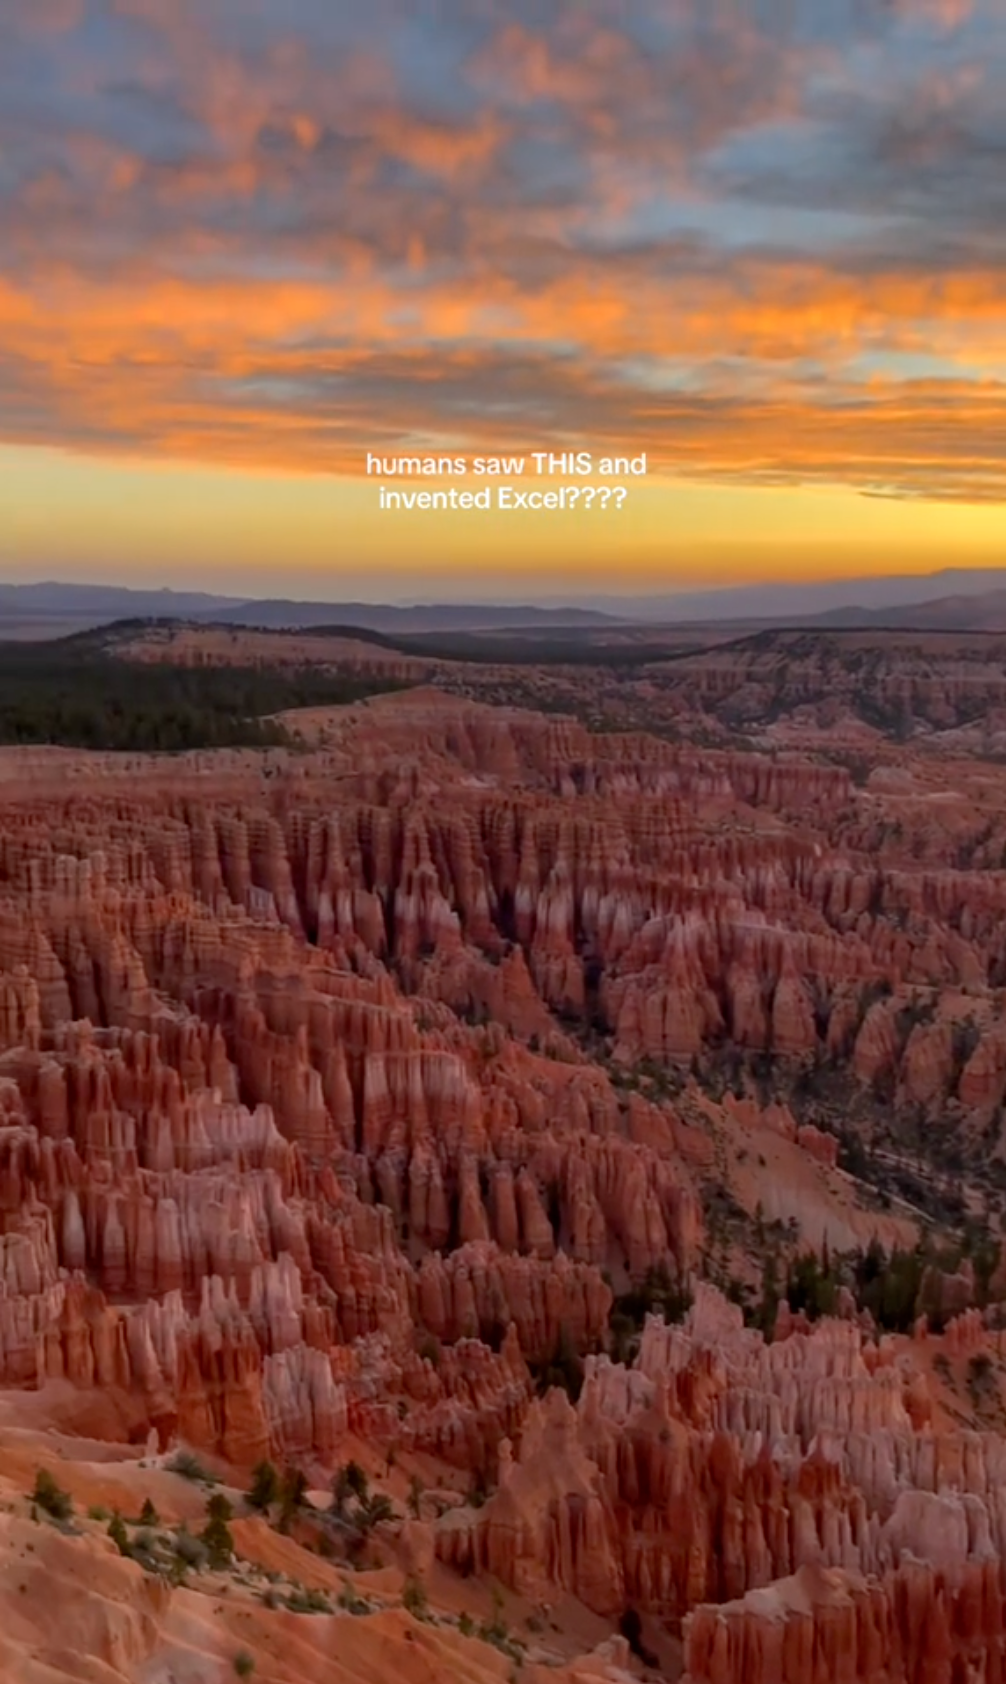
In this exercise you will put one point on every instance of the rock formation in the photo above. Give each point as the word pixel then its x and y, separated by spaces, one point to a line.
pixel 343 1095
pixel 788 1506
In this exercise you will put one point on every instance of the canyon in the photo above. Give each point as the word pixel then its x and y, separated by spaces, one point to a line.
pixel 462 1090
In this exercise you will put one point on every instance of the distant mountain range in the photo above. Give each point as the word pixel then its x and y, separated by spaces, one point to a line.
pixel 423 617
pixel 101 602
pixel 984 611
pixel 954 599
pixel 808 603
pixel 79 607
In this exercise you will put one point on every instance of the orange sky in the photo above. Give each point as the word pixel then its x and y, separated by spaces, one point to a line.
pixel 241 249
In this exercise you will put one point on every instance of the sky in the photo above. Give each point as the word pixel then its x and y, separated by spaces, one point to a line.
pixel 244 243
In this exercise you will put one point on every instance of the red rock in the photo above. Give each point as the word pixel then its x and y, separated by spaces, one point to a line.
pixel 294 1147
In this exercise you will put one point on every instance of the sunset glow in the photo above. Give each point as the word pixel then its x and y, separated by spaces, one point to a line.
pixel 240 246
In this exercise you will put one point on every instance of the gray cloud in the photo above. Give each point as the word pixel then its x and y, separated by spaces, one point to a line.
pixel 490 201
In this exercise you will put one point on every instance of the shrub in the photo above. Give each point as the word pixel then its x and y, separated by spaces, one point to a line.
pixel 118 1534
pixel 415 1600
pixel 190 1467
pixel 372 1510
pixel 350 1602
pixel 495 1631
pixel 370 1507
pixel 148 1514
pixel 96 1512
pixel 190 1551
pixel 244 1666
pixel 357 1480
pixel 302 1601
pixel 48 1496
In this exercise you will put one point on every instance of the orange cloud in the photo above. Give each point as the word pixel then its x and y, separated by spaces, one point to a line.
pixel 194 372
pixel 244 245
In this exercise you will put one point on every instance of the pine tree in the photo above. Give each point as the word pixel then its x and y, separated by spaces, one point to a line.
pixel 264 1487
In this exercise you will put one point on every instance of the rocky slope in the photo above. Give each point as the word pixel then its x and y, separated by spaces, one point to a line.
pixel 275 1612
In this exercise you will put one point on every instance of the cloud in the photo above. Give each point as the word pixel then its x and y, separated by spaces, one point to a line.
pixel 240 234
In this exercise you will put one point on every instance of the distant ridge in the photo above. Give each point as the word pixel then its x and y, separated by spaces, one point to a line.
pixel 954 599
pixel 808 603
pixel 432 617
pixel 50 596
pixel 87 606
pixel 984 611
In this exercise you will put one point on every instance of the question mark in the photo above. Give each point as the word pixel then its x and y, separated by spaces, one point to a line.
pixel 605 496
pixel 574 492
pixel 621 494
pixel 589 494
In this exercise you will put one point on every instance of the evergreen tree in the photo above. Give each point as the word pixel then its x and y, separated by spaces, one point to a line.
pixel 219 1542
pixel 265 1487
